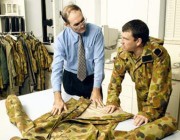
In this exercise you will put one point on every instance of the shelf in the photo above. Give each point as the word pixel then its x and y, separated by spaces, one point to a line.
pixel 12 7
pixel 12 16
pixel 1 16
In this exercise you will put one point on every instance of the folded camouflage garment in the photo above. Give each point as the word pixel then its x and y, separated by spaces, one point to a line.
pixel 79 123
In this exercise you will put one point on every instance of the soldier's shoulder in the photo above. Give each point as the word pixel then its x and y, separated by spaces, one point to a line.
pixel 155 40
pixel 158 50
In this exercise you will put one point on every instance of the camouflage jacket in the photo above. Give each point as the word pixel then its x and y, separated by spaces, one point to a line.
pixel 3 68
pixel 10 63
pixel 151 73
pixel 26 57
pixel 81 121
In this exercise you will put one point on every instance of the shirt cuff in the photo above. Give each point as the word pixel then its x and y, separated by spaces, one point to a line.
pixel 56 88
pixel 97 84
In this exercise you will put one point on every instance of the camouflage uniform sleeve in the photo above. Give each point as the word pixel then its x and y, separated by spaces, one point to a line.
pixel 114 88
pixel 160 88
pixel 157 129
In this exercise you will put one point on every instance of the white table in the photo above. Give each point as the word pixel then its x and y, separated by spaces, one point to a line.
pixel 39 103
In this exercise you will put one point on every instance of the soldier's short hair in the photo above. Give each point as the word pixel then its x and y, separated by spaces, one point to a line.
pixel 138 28
pixel 67 10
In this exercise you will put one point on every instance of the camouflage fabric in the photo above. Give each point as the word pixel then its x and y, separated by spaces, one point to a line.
pixel 69 125
pixel 27 57
pixel 42 60
pixel 156 40
pixel 83 121
pixel 155 130
pixel 10 62
pixel 3 68
pixel 19 60
pixel 151 73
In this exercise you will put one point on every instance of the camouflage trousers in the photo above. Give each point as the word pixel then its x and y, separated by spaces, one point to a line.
pixel 76 124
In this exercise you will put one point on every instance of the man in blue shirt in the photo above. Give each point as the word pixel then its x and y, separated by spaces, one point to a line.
pixel 65 61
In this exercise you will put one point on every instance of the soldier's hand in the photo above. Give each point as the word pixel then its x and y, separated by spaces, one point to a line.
pixel 111 108
pixel 96 97
pixel 139 120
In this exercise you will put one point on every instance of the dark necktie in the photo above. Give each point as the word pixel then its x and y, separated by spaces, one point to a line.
pixel 81 72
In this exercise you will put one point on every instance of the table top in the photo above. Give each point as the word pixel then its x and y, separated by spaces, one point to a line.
pixel 39 103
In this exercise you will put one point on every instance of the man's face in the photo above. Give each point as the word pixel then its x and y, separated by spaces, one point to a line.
pixel 128 42
pixel 77 22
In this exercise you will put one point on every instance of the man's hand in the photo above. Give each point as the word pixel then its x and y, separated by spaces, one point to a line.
pixel 111 108
pixel 59 104
pixel 139 120
pixel 96 97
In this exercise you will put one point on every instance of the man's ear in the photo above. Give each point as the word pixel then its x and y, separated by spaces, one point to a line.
pixel 66 24
pixel 139 41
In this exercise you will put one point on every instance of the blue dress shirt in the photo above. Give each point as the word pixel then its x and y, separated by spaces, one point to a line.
pixel 66 54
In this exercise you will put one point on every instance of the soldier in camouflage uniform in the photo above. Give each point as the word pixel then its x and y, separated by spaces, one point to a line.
pixel 149 66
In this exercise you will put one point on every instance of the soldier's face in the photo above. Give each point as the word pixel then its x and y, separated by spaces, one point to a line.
pixel 128 42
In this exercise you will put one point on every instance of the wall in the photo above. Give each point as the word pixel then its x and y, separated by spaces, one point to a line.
pixel 174 51
pixel 156 17
pixel 34 17
pixel 91 10
pixel 111 12
pixel 116 13
pixel 120 11
pixel 172 28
